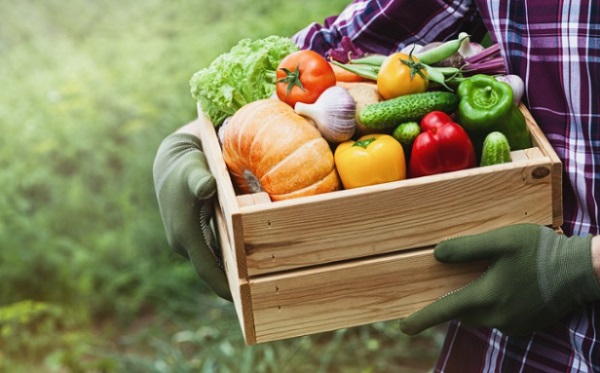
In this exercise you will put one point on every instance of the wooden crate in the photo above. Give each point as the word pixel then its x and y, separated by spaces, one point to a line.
pixel 364 255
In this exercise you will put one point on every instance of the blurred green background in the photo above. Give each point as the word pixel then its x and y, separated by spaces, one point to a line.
pixel 88 89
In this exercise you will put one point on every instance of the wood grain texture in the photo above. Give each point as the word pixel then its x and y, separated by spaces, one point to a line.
pixel 239 286
pixel 541 142
pixel 230 235
pixel 351 294
pixel 394 216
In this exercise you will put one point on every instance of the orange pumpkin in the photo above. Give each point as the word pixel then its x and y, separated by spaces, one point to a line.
pixel 268 147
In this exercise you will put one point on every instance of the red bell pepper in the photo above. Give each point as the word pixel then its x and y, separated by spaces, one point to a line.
pixel 442 146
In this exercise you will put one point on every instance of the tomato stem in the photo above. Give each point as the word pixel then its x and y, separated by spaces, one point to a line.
pixel 414 66
pixel 292 78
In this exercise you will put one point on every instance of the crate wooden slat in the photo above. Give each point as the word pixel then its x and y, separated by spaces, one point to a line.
pixel 322 226
pixel 299 266
pixel 352 293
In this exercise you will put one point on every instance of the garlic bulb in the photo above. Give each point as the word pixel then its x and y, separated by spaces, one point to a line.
pixel 517 85
pixel 333 114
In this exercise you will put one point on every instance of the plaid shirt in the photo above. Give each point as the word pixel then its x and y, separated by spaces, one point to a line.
pixel 555 47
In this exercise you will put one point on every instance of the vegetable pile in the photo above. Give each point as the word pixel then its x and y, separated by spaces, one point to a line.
pixel 299 124
pixel 244 74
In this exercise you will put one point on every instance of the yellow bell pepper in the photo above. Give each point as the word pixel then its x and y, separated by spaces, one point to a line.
pixel 372 159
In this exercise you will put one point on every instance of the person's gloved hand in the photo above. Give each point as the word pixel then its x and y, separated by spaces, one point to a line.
pixel 535 277
pixel 185 190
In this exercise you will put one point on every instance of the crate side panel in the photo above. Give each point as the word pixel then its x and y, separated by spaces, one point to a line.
pixel 346 295
pixel 395 216
pixel 227 200
pixel 240 290
pixel 541 141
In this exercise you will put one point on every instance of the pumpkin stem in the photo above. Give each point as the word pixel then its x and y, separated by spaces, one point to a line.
pixel 252 182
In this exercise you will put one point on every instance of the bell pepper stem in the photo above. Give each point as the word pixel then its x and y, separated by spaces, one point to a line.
pixel 364 143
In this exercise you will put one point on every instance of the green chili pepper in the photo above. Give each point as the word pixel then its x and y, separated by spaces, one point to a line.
pixel 486 105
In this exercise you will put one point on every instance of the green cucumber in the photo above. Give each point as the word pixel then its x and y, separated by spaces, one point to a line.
pixel 406 133
pixel 406 108
pixel 496 149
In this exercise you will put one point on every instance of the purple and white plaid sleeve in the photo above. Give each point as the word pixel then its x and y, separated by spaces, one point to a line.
pixel 555 48
pixel 385 26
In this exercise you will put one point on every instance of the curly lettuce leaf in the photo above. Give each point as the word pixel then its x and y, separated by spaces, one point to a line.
pixel 244 74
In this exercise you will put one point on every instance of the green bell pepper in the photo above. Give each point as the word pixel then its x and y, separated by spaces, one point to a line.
pixel 486 105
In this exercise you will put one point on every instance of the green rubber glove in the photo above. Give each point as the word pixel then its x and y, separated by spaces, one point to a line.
pixel 535 277
pixel 185 190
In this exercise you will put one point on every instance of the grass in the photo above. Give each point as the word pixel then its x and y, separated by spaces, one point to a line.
pixel 87 281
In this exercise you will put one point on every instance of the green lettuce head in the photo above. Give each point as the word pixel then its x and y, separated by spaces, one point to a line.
pixel 244 74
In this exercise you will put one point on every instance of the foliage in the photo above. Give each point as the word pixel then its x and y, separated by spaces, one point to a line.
pixel 87 281
pixel 212 345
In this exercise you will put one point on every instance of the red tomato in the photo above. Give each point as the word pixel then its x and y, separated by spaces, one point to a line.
pixel 302 76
